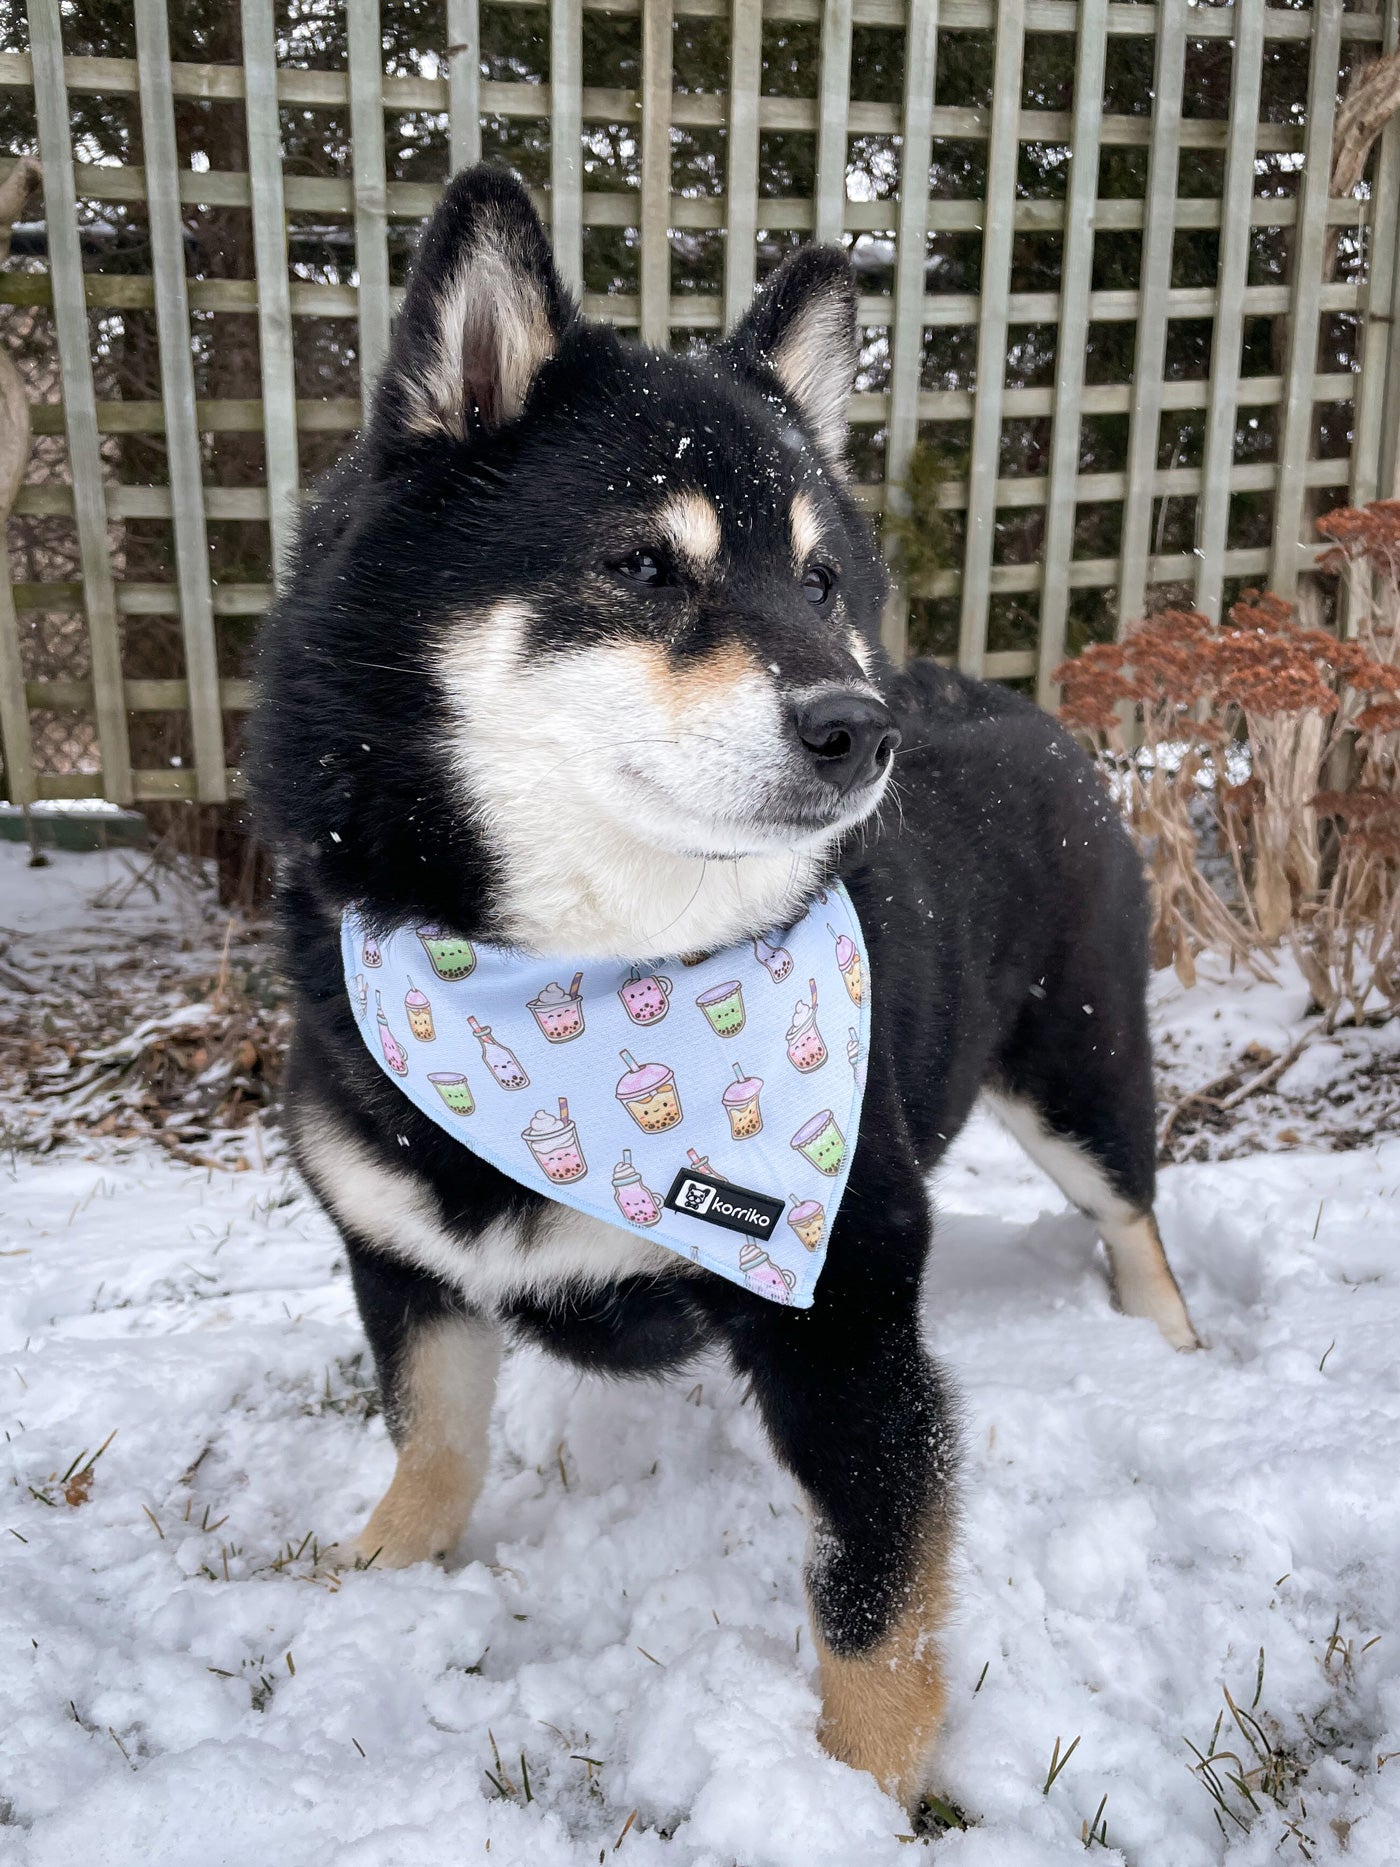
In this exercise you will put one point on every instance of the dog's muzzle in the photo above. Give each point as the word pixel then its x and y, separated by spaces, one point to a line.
pixel 849 736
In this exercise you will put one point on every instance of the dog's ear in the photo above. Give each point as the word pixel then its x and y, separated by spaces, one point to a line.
pixel 484 310
pixel 801 329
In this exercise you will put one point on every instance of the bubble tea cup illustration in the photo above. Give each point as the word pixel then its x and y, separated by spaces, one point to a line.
pixel 450 957
pixel 554 1143
pixel 361 993
pixel 775 960
pixel 808 1220
pixel 741 1104
pixel 805 1048
pixel 635 1199
pixel 394 1053
pixel 503 1064
pixel 848 959
pixel 648 1093
pixel 822 1142
pixel 420 1014
pixel 370 952
pixel 723 1005
pixel 454 1089
pixel 646 998
pixel 762 1275
pixel 558 1013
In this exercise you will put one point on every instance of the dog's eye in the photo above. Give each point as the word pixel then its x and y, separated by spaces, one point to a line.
pixel 817 584
pixel 641 567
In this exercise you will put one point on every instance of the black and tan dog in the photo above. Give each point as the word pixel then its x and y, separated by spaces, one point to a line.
pixel 580 654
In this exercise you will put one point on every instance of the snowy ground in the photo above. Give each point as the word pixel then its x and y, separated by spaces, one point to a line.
pixel 180 1683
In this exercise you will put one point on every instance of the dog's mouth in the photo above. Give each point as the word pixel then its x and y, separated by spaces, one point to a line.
pixel 794 814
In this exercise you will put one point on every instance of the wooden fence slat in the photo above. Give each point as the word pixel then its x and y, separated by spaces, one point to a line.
pixel 1376 428
pixel 832 106
pixel 1213 506
pixel 463 82
pixel 910 265
pixel 1149 358
pixel 276 354
pixel 741 232
pixel 366 61
pixel 566 139
pixel 15 741
pixel 75 371
pixel 655 263
pixel 1077 263
pixel 1002 158
pixel 183 453
pixel 1309 246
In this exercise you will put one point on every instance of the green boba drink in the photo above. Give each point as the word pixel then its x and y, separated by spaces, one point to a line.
pixel 454 1089
pixel 449 956
pixel 822 1142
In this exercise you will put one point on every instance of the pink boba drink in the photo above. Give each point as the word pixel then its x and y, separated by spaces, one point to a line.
pixel 503 1064
pixel 808 1220
pixel 805 1048
pixel 370 952
pixel 648 1093
pixel 741 1105
pixel 558 1013
pixel 762 1275
pixel 775 960
pixel 646 999
pixel 420 1014
pixel 394 1053
pixel 848 959
pixel 635 1199
pixel 554 1144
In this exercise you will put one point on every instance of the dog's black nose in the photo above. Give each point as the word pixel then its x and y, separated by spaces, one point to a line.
pixel 850 736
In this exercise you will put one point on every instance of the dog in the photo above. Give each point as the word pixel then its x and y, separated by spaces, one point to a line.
pixel 580 652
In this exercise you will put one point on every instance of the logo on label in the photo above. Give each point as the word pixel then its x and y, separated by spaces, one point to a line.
pixel 717 1202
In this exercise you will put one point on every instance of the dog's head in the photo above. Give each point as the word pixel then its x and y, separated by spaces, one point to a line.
pixel 587 624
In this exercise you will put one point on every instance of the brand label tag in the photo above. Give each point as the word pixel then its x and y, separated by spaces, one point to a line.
pixel 717 1202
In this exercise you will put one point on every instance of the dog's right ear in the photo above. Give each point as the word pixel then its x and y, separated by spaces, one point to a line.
pixel 483 311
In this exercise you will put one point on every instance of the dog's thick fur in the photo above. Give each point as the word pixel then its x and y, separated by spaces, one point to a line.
pixel 546 673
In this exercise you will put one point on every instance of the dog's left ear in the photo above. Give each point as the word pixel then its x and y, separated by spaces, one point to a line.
pixel 484 311
pixel 801 328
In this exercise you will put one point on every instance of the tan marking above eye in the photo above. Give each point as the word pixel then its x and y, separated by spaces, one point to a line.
pixel 691 526
pixel 806 527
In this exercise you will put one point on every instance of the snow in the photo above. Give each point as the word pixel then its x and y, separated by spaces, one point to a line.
pixel 1137 1525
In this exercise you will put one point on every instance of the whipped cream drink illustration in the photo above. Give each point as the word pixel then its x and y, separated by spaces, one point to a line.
pixel 741 1104
pixel 361 993
pixel 848 959
pixel 762 1274
pixel 648 1093
pixel 503 1064
pixel 776 960
pixel 723 1005
pixel 420 1014
pixel 805 1048
pixel 646 998
pixel 449 956
pixel 856 1056
pixel 635 1199
pixel 454 1089
pixel 370 952
pixel 394 1053
pixel 558 1013
pixel 822 1142
pixel 808 1220
pixel 553 1140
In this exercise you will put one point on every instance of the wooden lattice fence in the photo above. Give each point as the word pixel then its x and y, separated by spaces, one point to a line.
pixel 1095 445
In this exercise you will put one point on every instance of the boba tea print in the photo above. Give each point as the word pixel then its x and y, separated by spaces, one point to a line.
pixel 600 1085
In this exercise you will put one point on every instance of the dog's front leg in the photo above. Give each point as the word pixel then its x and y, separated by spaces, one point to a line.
pixel 861 1416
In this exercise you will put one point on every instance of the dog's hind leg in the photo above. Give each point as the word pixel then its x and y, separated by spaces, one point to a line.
pixel 859 1414
pixel 437 1370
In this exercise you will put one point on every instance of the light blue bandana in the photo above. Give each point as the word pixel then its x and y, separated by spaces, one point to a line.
pixel 711 1101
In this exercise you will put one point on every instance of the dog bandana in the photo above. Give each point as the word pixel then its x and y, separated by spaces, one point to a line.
pixel 711 1101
